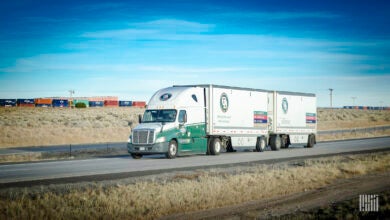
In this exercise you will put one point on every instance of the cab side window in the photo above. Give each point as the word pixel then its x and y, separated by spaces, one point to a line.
pixel 194 98
pixel 182 116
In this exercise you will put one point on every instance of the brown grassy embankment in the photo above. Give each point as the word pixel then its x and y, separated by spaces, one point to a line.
pixel 335 119
pixel 48 126
pixel 339 119
pixel 156 196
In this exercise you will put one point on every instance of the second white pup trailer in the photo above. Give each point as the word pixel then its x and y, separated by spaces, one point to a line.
pixel 292 119
pixel 208 118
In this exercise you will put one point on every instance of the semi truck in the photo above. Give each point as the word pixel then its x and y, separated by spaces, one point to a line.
pixel 209 119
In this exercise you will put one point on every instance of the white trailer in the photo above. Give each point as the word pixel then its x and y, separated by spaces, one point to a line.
pixel 292 119
pixel 236 117
pixel 209 118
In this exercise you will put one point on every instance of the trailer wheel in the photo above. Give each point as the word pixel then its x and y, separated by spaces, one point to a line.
pixel 284 141
pixel 136 156
pixel 229 147
pixel 275 142
pixel 215 146
pixel 311 141
pixel 172 150
pixel 261 144
pixel 288 142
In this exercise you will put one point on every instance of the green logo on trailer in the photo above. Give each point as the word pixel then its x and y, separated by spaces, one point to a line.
pixel 165 96
pixel 224 102
pixel 284 105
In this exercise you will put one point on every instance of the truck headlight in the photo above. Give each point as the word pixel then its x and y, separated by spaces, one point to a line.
pixel 129 140
pixel 160 139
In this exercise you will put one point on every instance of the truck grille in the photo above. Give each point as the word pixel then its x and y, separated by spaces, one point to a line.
pixel 143 137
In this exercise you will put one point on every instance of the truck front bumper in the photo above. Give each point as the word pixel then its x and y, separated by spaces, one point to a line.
pixel 159 148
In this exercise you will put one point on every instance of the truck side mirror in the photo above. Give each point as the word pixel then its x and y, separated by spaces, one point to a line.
pixel 139 119
pixel 182 117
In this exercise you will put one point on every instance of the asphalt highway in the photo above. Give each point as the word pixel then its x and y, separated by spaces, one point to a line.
pixel 13 173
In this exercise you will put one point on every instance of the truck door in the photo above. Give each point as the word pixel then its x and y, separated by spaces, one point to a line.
pixel 184 136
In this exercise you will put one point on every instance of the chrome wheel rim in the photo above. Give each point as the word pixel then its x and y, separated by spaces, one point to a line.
pixel 217 146
pixel 278 142
pixel 262 144
pixel 172 149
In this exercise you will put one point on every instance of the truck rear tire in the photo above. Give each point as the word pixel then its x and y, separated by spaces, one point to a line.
pixel 136 156
pixel 285 141
pixel 215 146
pixel 275 142
pixel 172 150
pixel 310 141
pixel 288 142
pixel 261 144
pixel 229 147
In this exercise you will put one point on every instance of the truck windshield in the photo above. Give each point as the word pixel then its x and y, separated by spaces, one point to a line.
pixel 166 115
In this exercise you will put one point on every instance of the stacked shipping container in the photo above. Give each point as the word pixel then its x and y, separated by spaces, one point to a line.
pixel 7 102
pixel 139 104
pixel 43 102
pixel 125 103
pixel 60 103
pixel 367 107
pixel 26 102
pixel 74 102
pixel 111 103
pixel 63 102
pixel 102 98
pixel 96 103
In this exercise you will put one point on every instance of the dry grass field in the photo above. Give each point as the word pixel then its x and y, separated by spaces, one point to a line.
pixel 335 119
pixel 53 126
pixel 156 196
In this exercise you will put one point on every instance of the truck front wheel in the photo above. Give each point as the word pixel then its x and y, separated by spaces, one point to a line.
pixel 136 156
pixel 215 146
pixel 275 142
pixel 172 150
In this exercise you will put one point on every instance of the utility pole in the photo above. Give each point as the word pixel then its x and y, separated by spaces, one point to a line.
pixel 331 93
pixel 71 92
pixel 353 101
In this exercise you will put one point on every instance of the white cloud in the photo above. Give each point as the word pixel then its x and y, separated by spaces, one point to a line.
pixel 174 24
pixel 121 33
pixel 190 70
pixel 60 63
pixel 283 15
pixel 165 29
pixel 291 54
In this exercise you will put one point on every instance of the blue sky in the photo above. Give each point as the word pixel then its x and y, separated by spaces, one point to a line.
pixel 130 49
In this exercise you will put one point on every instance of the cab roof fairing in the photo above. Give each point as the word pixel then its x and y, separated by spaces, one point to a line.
pixel 181 97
